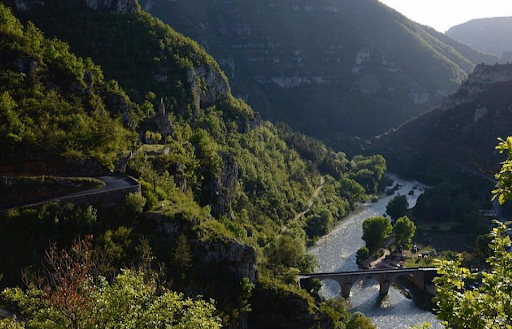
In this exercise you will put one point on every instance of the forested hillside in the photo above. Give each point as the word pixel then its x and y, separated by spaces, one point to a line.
pixel 221 189
pixel 467 124
pixel 327 68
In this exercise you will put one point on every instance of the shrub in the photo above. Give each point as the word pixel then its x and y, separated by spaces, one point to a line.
pixel 136 202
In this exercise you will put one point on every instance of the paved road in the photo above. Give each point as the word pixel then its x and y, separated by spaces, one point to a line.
pixel 111 183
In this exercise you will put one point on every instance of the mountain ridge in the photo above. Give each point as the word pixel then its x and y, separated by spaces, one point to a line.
pixel 490 35
pixel 366 60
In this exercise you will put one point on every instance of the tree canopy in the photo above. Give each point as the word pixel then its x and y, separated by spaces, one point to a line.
pixel 375 230
pixel 397 207
pixel 404 230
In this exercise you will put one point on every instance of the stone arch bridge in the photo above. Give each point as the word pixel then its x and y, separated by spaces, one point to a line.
pixel 421 277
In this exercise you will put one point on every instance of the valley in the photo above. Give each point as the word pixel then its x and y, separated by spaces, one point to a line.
pixel 182 164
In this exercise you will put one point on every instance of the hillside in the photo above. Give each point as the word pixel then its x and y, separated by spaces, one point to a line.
pixel 328 67
pixel 468 122
pixel 53 103
pixel 490 35
pixel 213 175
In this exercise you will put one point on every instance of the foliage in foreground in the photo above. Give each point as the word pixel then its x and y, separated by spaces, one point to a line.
pixel 70 295
pixel 481 300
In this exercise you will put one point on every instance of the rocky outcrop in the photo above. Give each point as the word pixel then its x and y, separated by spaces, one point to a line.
pixel 207 86
pixel 118 103
pixel 115 6
pixel 238 260
pixel 159 123
pixel 170 228
pixel 482 78
pixel 219 191
pixel 23 5
pixel 480 113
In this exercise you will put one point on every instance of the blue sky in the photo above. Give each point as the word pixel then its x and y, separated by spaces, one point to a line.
pixel 443 14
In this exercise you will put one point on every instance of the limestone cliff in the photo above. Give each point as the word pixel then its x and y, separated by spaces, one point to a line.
pixel 218 191
pixel 115 6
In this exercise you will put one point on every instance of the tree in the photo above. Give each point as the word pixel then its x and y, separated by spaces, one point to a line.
pixel 404 230
pixel 71 295
pixel 375 230
pixel 359 321
pixel 490 305
pixel 397 207
pixel 362 254
pixel 182 256
pixel 136 202
pixel 483 246
pixel 156 137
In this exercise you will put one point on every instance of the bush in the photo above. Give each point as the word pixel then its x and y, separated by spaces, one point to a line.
pixel 362 254
pixel 135 202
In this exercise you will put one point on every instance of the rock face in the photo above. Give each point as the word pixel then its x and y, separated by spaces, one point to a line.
pixel 170 228
pixel 480 81
pixel 216 87
pixel 158 123
pixel 480 113
pixel 119 104
pixel 219 191
pixel 114 6
pixel 238 260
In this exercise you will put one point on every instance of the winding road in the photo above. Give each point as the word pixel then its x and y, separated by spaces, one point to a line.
pixel 112 183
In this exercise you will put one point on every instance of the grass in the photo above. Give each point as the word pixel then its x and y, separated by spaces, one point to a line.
pixel 155 148
pixel 412 260
pixel 442 226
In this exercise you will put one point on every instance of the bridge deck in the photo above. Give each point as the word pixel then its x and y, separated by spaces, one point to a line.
pixel 367 272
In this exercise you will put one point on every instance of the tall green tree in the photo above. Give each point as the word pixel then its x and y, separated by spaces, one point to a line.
pixel 404 230
pixel 182 256
pixel 375 230
pixel 397 207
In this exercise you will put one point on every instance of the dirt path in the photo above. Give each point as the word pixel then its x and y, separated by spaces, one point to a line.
pixel 310 204
pixel 378 261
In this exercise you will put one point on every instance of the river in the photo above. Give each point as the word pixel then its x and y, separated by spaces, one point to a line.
pixel 337 252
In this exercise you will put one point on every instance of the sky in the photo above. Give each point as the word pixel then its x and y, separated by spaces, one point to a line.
pixel 443 14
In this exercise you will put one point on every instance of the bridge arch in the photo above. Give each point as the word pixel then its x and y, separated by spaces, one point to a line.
pixel 385 277
pixel 332 287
